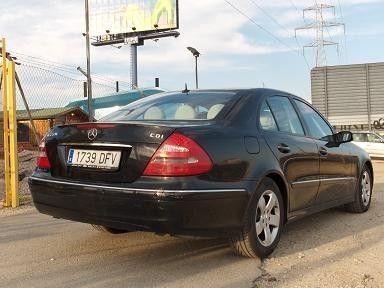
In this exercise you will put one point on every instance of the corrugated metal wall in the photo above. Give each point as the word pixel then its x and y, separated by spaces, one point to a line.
pixel 349 94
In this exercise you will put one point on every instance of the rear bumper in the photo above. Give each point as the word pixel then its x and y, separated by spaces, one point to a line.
pixel 185 212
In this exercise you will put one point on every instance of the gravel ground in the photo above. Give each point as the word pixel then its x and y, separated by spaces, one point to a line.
pixel 330 249
pixel 27 163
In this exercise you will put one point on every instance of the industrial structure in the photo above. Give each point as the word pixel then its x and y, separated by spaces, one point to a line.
pixel 350 96
pixel 321 26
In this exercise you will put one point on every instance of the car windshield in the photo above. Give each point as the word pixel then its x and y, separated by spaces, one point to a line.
pixel 174 106
pixel 375 138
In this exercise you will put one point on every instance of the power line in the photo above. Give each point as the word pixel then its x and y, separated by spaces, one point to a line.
pixel 42 59
pixel 50 71
pixel 294 6
pixel 40 68
pixel 269 15
pixel 258 25
pixel 264 29
pixel 278 24
pixel 61 67
pixel 345 36
pixel 330 37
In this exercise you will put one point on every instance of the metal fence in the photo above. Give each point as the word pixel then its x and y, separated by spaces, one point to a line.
pixel 46 85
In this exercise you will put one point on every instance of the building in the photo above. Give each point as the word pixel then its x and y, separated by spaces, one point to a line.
pixel 350 96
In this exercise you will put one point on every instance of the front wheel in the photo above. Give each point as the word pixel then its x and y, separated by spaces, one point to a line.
pixel 265 220
pixel 363 193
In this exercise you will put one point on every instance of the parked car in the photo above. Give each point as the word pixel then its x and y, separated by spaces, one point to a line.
pixel 371 142
pixel 232 163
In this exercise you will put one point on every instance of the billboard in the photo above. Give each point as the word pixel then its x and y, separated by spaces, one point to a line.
pixel 129 18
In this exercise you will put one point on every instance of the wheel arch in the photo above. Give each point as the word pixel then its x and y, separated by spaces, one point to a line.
pixel 280 182
pixel 368 163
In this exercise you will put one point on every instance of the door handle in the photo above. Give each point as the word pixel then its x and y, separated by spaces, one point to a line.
pixel 283 148
pixel 323 151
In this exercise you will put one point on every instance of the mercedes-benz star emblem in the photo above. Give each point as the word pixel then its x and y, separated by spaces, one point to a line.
pixel 92 134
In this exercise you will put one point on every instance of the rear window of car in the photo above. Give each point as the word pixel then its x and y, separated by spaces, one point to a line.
pixel 192 106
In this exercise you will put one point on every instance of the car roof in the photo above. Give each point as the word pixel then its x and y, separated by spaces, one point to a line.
pixel 254 91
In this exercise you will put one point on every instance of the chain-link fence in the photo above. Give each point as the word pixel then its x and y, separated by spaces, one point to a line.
pixel 48 89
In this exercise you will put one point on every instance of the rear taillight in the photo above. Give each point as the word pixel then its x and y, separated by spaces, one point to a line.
pixel 178 156
pixel 42 161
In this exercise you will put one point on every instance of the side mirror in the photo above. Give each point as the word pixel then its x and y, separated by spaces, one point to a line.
pixel 343 137
pixel 339 138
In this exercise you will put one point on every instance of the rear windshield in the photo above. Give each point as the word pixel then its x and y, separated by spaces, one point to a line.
pixel 174 106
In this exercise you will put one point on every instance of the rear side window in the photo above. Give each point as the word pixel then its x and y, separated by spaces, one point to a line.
pixel 286 117
pixel 267 122
pixel 318 128
pixel 174 106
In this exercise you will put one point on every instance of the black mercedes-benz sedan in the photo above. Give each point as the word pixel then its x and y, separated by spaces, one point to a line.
pixel 212 163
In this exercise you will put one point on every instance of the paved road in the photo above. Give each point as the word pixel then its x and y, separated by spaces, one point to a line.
pixel 330 249
pixel 39 251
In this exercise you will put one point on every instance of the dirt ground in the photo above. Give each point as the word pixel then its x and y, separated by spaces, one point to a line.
pixel 27 163
pixel 329 249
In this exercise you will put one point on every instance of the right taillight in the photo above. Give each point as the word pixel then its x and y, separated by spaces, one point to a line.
pixel 42 160
pixel 178 156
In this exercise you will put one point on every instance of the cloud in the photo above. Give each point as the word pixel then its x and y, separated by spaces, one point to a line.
pixel 52 30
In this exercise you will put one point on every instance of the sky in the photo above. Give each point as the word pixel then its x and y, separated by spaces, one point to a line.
pixel 244 43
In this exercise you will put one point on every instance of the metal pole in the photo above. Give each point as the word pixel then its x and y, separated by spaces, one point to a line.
pixel 134 82
pixel 197 78
pixel 88 51
pixel 368 83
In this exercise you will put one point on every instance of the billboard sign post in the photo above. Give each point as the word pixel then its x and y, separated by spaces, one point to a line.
pixel 115 20
pixel 132 22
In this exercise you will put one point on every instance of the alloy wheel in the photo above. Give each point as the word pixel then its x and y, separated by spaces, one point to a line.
pixel 267 218
pixel 366 188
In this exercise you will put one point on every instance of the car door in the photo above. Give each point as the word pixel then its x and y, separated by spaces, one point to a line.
pixel 336 176
pixel 376 145
pixel 296 153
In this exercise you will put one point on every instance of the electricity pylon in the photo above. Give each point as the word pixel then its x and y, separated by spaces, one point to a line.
pixel 320 25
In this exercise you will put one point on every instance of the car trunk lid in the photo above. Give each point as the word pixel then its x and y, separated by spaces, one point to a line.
pixel 103 152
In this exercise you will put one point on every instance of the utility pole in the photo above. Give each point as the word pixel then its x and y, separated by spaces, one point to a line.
pixel 319 25
pixel 88 52
pixel 134 81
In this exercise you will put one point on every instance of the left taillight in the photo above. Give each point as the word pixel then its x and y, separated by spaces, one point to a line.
pixel 42 161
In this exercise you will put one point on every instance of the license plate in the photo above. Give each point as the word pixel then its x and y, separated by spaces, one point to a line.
pixel 94 159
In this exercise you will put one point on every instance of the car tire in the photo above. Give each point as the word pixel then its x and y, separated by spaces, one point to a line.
pixel 264 222
pixel 109 230
pixel 363 193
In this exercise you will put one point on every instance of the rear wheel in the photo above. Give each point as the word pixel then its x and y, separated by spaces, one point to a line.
pixel 110 230
pixel 363 194
pixel 262 231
